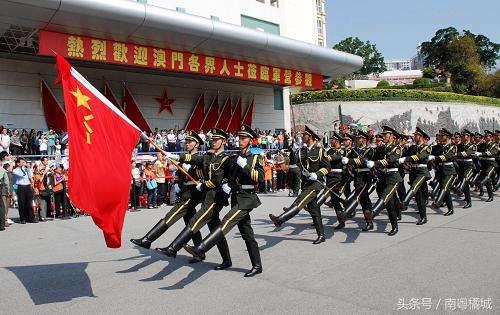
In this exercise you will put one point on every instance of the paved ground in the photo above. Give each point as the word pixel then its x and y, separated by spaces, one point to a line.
pixel 64 267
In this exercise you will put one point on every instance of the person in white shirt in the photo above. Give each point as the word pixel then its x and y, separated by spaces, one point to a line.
pixel 43 145
pixel 135 190
pixel 4 141
pixel 172 140
pixel 23 177
pixel 159 168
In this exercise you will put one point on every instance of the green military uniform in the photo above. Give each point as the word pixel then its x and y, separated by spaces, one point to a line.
pixel 448 172
pixel 390 179
pixel 247 172
pixel 488 157
pixel 215 169
pixel 417 156
pixel 465 153
pixel 314 164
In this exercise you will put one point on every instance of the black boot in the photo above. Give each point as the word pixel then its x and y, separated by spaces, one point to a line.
pixel 369 221
pixel 254 253
pixel 393 231
pixel 377 208
pixel 176 245
pixel 224 253
pixel 285 216
pixel 408 197
pixel 422 221
pixel 153 235
pixel 489 189
pixel 340 219
pixel 199 251
pixel 439 198
pixel 318 224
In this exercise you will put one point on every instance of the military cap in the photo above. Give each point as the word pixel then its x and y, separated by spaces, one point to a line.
pixel 246 131
pixel 362 134
pixel 445 132
pixel 219 133
pixel 456 134
pixel 477 134
pixel 422 132
pixel 402 136
pixel 336 135
pixel 467 132
pixel 387 129
pixel 193 136
pixel 348 136
pixel 488 132
pixel 312 133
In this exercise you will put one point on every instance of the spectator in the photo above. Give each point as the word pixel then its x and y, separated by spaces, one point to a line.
pixel 4 141
pixel 43 145
pixel 181 138
pixel 24 141
pixel 136 188
pixel 4 193
pixel 203 136
pixel 280 168
pixel 43 181
pixel 32 143
pixel 151 185
pixel 59 193
pixel 24 182
pixel 281 140
pixel 51 142
pixel 160 167
pixel 15 143
pixel 268 174
pixel 171 140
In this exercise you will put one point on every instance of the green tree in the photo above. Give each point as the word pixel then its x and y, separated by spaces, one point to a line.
pixel 383 84
pixel 488 51
pixel 465 65
pixel 373 61
pixel 429 72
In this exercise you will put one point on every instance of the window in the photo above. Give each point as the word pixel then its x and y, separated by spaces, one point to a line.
pixel 261 25
pixel 274 3
pixel 278 99
pixel 321 42
pixel 261 1
pixel 143 1
pixel 319 6
pixel 181 10
pixel 213 17
pixel 320 27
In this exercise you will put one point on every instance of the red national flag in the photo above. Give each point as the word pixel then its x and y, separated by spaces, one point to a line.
pixel 212 115
pixel 235 122
pixel 248 117
pixel 101 142
pixel 225 115
pixel 54 114
pixel 131 109
pixel 108 93
pixel 197 115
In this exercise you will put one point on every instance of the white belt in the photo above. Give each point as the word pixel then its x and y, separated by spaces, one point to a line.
pixel 247 187
pixel 189 183
pixel 292 166
pixel 419 165
pixel 389 170
pixel 468 160
pixel 447 163
pixel 489 159
pixel 362 170
pixel 336 170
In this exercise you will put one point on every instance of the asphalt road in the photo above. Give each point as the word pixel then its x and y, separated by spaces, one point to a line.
pixel 450 264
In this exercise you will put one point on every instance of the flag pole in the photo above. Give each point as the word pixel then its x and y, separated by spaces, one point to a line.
pixel 176 164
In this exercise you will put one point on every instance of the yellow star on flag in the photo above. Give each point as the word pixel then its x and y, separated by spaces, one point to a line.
pixel 81 99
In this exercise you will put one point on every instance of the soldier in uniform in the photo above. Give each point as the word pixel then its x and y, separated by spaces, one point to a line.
pixel 402 141
pixel 488 156
pixel 294 174
pixel 314 164
pixel 417 155
pixel 363 178
pixel 216 169
pixel 247 172
pixel 445 161
pixel 190 197
pixel 465 153
pixel 389 177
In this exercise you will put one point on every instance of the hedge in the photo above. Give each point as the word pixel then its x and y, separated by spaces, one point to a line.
pixel 389 95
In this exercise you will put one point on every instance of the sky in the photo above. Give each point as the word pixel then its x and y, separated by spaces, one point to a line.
pixel 397 27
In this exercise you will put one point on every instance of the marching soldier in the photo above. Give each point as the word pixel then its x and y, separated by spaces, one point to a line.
pixel 389 177
pixel 447 168
pixel 488 156
pixel 417 156
pixel 216 169
pixel 190 197
pixel 465 153
pixel 314 164
pixel 402 141
pixel 294 174
pixel 363 178
pixel 246 173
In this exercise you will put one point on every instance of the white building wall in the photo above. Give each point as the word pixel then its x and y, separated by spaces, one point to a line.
pixel 20 105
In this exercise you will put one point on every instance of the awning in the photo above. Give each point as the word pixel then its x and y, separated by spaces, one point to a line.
pixel 130 21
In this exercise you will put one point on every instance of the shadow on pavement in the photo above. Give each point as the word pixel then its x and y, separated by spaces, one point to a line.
pixel 54 283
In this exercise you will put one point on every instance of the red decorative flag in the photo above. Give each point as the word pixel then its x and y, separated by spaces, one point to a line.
pixel 108 93
pixel 197 115
pixel 131 109
pixel 54 114
pixel 235 122
pixel 248 117
pixel 212 115
pixel 225 115
pixel 101 142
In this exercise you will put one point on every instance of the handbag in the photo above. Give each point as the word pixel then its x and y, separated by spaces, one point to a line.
pixel 151 184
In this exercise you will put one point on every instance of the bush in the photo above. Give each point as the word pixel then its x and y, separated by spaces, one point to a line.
pixel 383 84
pixel 422 83
pixel 429 72
pixel 389 95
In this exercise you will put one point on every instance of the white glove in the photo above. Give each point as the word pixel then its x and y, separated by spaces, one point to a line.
pixel 226 188
pixel 478 153
pixel 241 161
pixel 431 157
pixel 199 186
pixel 313 176
pixel 186 166
pixel 402 160
pixel 177 189
pixel 345 160
pixel 171 156
pixel 370 164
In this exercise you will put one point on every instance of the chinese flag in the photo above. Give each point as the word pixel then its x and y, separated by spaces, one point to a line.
pixel 101 142
pixel 235 122
pixel 212 115
pixel 197 115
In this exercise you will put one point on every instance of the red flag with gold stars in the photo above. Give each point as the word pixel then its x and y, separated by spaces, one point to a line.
pixel 101 140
